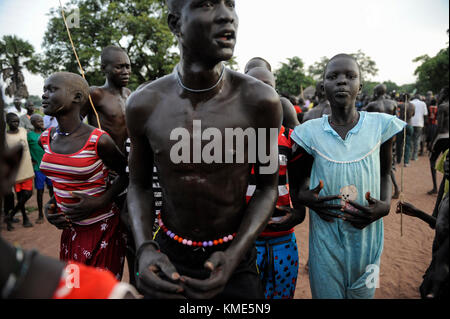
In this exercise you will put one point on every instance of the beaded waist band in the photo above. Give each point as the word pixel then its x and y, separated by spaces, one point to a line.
pixel 189 242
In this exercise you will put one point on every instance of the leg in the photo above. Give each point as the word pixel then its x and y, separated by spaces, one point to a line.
pixel 399 147
pixel 394 182
pixel 40 195
pixel 409 143
pixel 26 195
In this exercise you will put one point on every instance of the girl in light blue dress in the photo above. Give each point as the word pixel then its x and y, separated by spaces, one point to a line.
pixel 346 184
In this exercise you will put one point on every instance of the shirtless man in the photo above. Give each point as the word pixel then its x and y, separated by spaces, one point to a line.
pixel 322 108
pixel 109 99
pixel 403 105
pixel 381 104
pixel 441 140
pixel 289 114
pixel 205 247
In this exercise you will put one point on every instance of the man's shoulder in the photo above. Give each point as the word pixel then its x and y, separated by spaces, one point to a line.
pixel 254 92
pixel 151 91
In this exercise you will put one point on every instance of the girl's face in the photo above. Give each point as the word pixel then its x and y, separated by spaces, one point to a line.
pixel 342 81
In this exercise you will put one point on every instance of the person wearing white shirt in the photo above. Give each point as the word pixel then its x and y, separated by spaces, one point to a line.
pixel 16 108
pixel 417 121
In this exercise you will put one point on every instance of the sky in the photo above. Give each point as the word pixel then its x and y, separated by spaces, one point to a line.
pixel 391 32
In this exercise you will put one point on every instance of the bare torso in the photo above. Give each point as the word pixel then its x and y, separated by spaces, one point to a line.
pixel 110 107
pixel 201 200
pixel 382 105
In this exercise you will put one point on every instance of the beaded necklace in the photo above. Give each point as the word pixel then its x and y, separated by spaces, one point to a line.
pixel 188 242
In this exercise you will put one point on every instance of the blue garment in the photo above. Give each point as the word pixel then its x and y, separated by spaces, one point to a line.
pixel 277 262
pixel 339 253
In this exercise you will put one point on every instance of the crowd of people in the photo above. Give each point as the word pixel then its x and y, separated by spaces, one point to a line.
pixel 131 175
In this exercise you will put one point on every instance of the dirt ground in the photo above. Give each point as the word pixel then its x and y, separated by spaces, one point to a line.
pixel 404 259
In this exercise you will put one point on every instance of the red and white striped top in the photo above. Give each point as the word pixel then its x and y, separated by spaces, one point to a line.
pixel 82 172
pixel 287 153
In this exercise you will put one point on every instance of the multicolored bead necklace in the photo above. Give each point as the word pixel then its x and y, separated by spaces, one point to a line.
pixel 188 242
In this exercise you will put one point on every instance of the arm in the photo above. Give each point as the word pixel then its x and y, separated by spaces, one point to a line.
pixel 266 109
pixel 290 119
pixel 411 210
pixel 377 209
pixel 149 260
pixel 293 216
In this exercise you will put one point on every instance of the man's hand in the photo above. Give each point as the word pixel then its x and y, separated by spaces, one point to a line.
pixel 291 218
pixel 406 208
pixel 362 216
pixel 212 286
pixel 153 266
pixel 84 208
pixel 311 199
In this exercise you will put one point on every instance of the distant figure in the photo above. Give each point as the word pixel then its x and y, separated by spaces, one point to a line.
pixel 321 109
pixel 25 119
pixel 402 105
pixel 418 122
pixel 381 103
pixel 16 108
pixel 441 140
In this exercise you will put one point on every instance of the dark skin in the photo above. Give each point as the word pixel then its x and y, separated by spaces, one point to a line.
pixel 290 119
pixel 437 274
pixel 381 104
pixel 212 200
pixel 109 100
pixel 38 123
pixel 32 286
pixel 290 217
pixel 443 127
pixel 322 108
pixel 341 86
pixel 24 195
pixel 18 104
pixel 63 100
pixel 30 108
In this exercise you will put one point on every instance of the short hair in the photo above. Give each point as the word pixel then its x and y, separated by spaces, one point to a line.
pixel 75 82
pixel 175 6
pixel 380 89
pixel 346 56
pixel 248 66
pixel 107 51
pixel 35 117
pixel 10 116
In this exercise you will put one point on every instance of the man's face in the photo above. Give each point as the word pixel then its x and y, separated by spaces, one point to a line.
pixel 208 29
pixel 38 123
pixel 118 69
pixel 342 81
pixel 17 102
pixel 13 123
pixel 56 96
pixel 30 108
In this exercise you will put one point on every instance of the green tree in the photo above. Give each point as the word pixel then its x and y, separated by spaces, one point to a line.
pixel 432 73
pixel 367 65
pixel 138 26
pixel 15 55
pixel 291 76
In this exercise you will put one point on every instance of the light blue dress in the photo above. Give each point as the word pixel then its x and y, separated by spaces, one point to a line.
pixel 342 258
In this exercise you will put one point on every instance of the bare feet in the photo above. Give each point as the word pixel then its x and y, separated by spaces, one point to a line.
pixel 40 220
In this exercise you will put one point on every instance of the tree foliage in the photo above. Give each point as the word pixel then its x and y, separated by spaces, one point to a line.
pixel 291 76
pixel 432 73
pixel 138 26
pixel 367 65
pixel 15 55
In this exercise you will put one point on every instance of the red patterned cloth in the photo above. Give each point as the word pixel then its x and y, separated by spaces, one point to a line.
pixel 100 245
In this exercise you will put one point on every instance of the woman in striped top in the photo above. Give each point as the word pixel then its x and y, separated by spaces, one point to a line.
pixel 77 157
